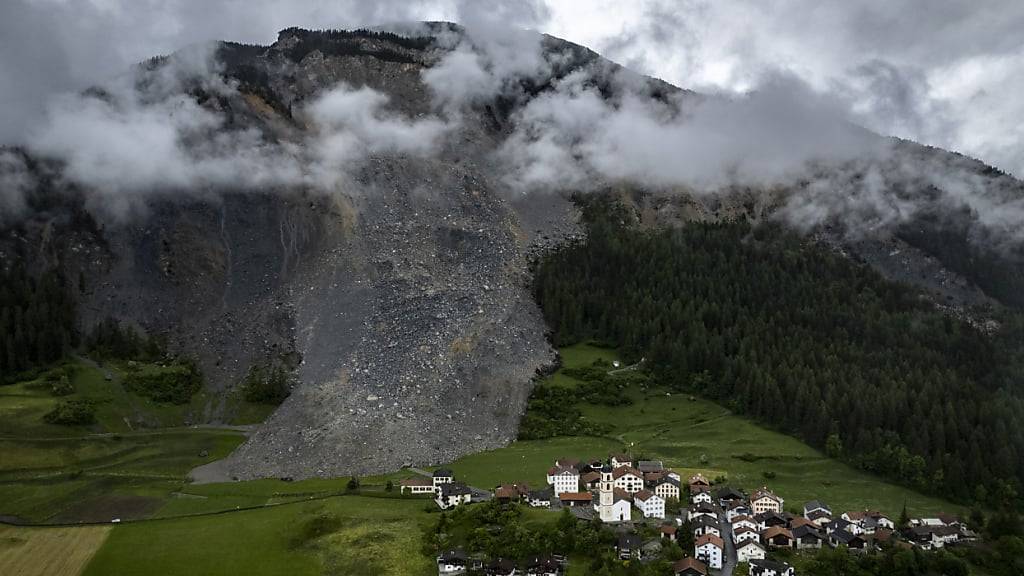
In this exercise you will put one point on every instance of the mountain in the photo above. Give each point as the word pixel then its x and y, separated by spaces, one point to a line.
pixel 399 296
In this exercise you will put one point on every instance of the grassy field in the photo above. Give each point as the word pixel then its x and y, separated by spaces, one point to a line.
pixel 358 535
pixel 48 551
pixel 691 434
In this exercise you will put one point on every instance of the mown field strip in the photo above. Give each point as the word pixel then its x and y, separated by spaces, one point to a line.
pixel 48 551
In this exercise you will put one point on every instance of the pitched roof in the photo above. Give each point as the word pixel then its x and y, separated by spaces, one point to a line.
pixel 543 494
pixel 453 554
pixel 709 539
pixel 567 462
pixel 576 496
pixel 748 543
pixel 621 494
pixel 665 480
pixel 454 489
pixel 771 565
pixel 623 470
pixel 690 564
pixel 417 481
pixel 764 493
pixel 743 530
pixel 629 540
pixel 442 473
pixel 800 521
pixel 807 530
pixel 743 517
pixel 727 493
pixel 707 521
pixel 558 470
pixel 621 457
pixel 699 479
pixel 818 514
pixel 644 495
pixel 669 529
pixel 650 465
pixel 816 505
pixel 776 531
pixel 590 477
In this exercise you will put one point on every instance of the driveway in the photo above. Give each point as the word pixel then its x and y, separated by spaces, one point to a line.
pixel 729 560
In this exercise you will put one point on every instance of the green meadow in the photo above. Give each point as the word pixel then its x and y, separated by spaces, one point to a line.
pixel 691 434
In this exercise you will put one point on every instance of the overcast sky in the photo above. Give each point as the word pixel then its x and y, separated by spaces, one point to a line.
pixel 943 72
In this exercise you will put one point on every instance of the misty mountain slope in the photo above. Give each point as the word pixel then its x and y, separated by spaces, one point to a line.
pixel 361 207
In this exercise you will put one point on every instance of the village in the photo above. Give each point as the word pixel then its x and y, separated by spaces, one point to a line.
pixel 722 528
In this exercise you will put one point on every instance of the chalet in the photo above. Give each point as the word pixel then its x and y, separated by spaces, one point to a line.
pixel 777 537
pixel 500 567
pixel 568 463
pixel 767 520
pixel 652 505
pixel 698 510
pixel 591 480
pixel 650 466
pixel 727 496
pixel 807 536
pixel 845 538
pixel 696 481
pixel 511 492
pixel 619 460
pixel 709 549
pixel 629 479
pixel 690 567
pixel 734 509
pixel 938 520
pixel 628 546
pixel 869 520
pixel 543 566
pixel 442 476
pixel 770 568
pixel 706 525
pixel 816 506
pixel 702 498
pixel 570 499
pixel 451 562
pixel 819 517
pixel 744 522
pixel 840 524
pixel 764 500
pixel 666 488
pixel 417 485
pixel 749 550
pixel 539 498
pixel 933 537
pixel 453 494
pixel 564 479
pixel 746 535
pixel 798 521
pixel 669 532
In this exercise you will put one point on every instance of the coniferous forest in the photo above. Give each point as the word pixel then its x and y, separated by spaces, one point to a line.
pixel 37 320
pixel 805 341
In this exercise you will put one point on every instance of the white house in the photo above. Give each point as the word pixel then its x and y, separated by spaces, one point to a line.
pixel 705 525
pixel 749 550
pixel 869 520
pixel 745 535
pixel 619 460
pixel 667 488
pixel 699 510
pixel 442 476
pixel 451 495
pixel 764 500
pixel 564 479
pixel 813 506
pixel 539 499
pixel 452 562
pixel 628 479
pixel 744 522
pixel 652 505
pixel 708 549
pixel 702 498
pixel 417 485
pixel 769 568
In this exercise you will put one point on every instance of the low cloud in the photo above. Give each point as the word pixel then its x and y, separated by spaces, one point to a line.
pixel 15 183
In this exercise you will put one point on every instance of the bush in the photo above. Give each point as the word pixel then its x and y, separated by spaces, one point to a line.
pixel 266 385
pixel 72 413
pixel 62 386
pixel 174 384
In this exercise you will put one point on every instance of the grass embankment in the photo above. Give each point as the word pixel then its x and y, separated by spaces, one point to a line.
pixel 338 535
pixel 691 434
pixel 115 467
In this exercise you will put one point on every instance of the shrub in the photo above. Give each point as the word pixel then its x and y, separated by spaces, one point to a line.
pixel 72 413
pixel 266 385
pixel 174 384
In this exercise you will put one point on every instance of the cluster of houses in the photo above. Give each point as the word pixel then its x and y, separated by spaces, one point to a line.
pixel 619 490
pixel 455 562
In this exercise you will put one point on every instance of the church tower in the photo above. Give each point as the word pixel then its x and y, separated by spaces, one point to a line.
pixel 606 498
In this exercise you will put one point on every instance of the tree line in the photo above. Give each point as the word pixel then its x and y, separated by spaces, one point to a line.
pixel 37 320
pixel 803 340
